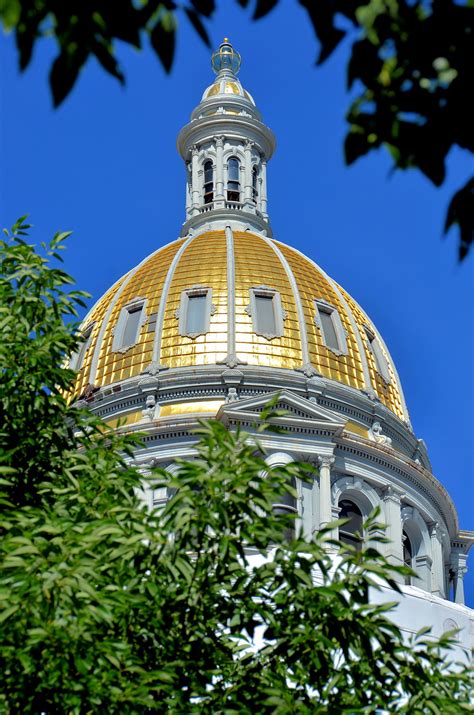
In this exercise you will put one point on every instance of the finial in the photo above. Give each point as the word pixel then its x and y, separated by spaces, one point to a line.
pixel 226 58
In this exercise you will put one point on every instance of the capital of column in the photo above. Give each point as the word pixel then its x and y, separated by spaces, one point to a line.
pixel 219 140
pixel 249 144
pixel 325 460
pixel 436 531
pixel 194 150
pixel 390 494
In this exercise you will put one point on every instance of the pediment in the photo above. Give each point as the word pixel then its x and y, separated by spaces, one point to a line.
pixel 297 408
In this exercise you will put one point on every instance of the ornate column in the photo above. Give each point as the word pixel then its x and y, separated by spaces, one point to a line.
pixel 188 191
pixel 325 511
pixel 264 189
pixel 458 569
pixel 195 180
pixel 422 566
pixel 393 519
pixel 248 173
pixel 219 198
pixel 437 572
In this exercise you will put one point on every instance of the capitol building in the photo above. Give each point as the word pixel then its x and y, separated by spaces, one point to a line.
pixel 219 321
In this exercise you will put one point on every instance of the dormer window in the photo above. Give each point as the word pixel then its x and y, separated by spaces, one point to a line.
pixel 255 184
pixel 329 322
pixel 129 324
pixel 195 310
pixel 208 182
pixel 380 360
pixel 266 311
pixel 77 360
pixel 233 179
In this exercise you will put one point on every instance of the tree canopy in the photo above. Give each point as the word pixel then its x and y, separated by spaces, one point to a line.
pixel 410 64
pixel 204 605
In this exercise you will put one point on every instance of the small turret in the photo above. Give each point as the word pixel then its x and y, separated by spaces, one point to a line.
pixel 226 147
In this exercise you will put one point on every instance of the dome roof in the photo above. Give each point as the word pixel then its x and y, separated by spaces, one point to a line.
pixel 225 86
pixel 254 261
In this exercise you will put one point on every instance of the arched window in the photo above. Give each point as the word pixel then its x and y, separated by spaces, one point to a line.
pixel 286 504
pixel 351 532
pixel 233 179
pixel 407 555
pixel 255 183
pixel 208 182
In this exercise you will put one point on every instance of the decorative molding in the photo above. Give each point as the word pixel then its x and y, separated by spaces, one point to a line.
pixel 181 312
pixel 280 313
pixel 232 361
pixel 119 328
pixel 325 461
pixel 341 332
pixel 308 370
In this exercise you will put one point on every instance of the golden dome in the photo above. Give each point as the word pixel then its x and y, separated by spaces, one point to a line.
pixel 158 282
pixel 225 86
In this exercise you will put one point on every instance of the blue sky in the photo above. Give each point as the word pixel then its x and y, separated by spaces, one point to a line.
pixel 105 166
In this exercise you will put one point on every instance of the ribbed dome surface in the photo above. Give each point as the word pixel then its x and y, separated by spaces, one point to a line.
pixel 231 271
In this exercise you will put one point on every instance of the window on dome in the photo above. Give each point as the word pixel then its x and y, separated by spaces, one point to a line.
pixel 78 359
pixel 329 322
pixel 233 179
pixel 350 533
pixel 195 311
pixel 266 311
pixel 407 555
pixel 255 184
pixel 132 323
pixel 265 316
pixel 129 324
pixel 208 182
pixel 380 360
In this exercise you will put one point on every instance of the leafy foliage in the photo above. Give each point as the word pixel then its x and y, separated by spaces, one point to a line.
pixel 199 607
pixel 412 62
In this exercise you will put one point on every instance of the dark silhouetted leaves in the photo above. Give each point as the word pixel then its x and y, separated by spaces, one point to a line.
pixel 64 73
pixel 204 7
pixel 461 213
pixel 411 62
pixel 197 23
pixel 263 7
pixel 163 39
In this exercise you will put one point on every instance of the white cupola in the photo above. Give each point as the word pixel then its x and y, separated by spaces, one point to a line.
pixel 225 148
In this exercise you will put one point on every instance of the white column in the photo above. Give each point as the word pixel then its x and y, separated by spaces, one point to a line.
pixel 248 173
pixel 325 511
pixel 393 519
pixel 219 198
pixel 264 189
pixel 437 571
pixel 459 568
pixel 423 569
pixel 195 180
pixel 188 191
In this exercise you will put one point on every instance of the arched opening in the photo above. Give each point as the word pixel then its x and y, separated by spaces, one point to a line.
pixel 233 179
pixel 208 182
pixel 351 532
pixel 286 504
pixel 255 184
pixel 407 555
